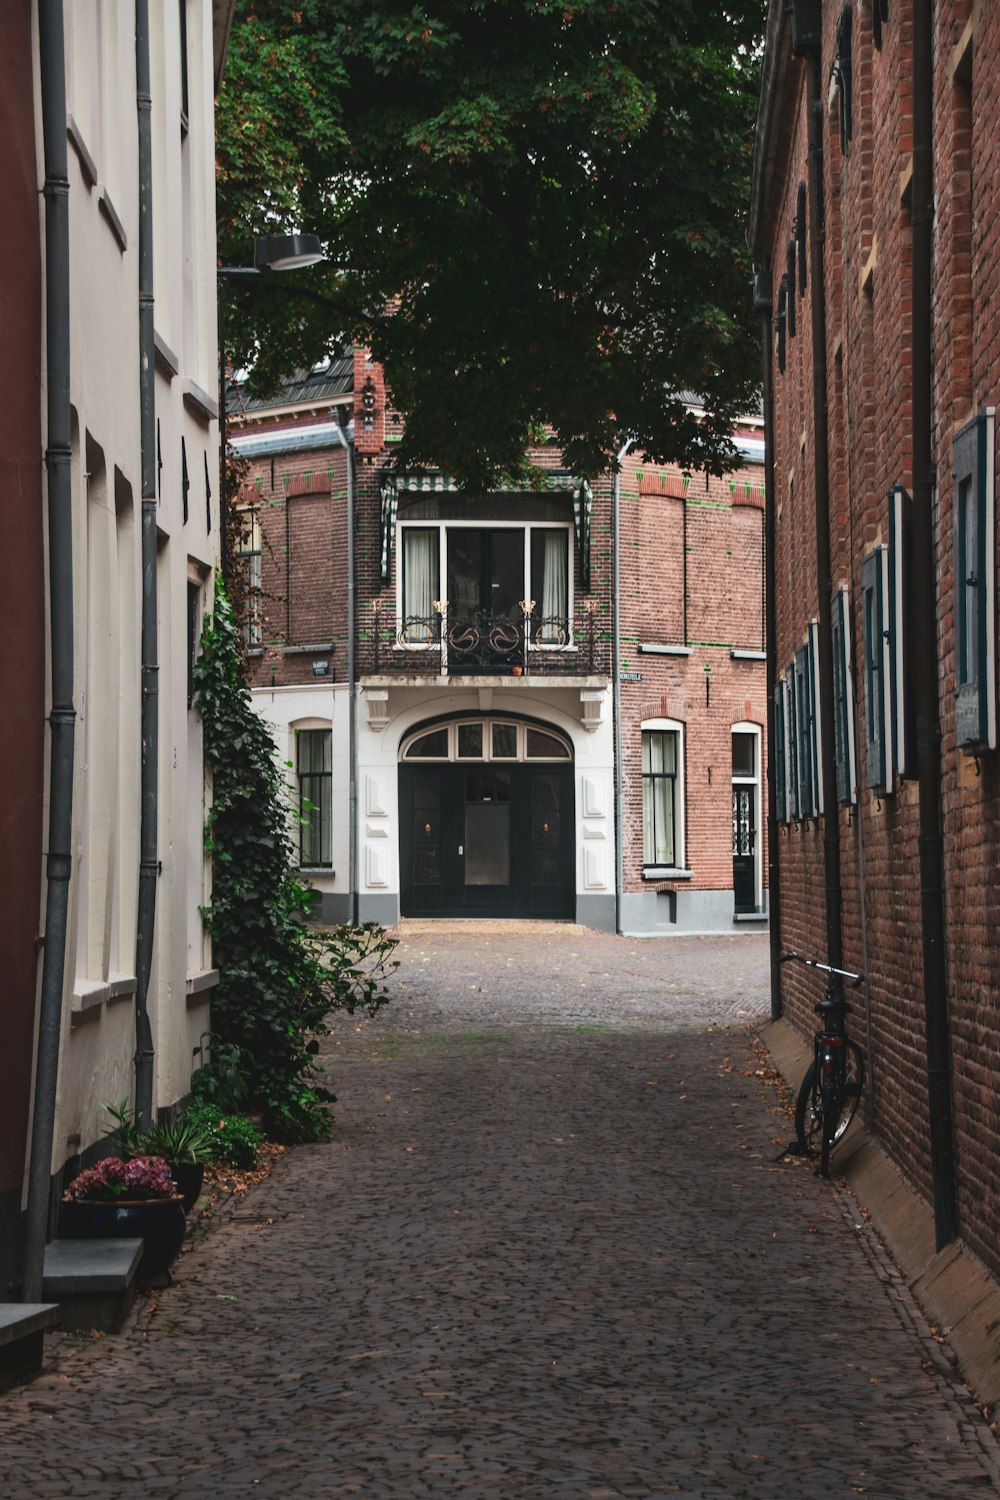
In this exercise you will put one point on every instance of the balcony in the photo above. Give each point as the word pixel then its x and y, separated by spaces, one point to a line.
pixel 483 645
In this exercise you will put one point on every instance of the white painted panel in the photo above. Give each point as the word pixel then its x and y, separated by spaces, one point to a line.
pixel 377 864
pixel 594 803
pixel 595 869
pixel 376 802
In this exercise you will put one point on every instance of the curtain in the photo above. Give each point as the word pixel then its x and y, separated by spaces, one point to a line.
pixel 420 584
pixel 555 589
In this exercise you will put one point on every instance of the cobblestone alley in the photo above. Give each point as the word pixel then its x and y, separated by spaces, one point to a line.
pixel 551 1253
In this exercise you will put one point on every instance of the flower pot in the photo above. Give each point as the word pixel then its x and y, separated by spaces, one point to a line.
pixel 517 671
pixel 158 1222
pixel 189 1176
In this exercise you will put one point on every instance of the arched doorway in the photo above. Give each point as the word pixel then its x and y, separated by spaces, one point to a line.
pixel 486 820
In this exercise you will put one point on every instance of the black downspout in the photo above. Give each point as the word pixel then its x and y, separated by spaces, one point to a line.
pixel 62 717
pixel 821 459
pixel 762 306
pixel 922 611
pixel 149 729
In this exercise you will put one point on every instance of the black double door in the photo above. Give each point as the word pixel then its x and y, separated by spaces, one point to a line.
pixel 487 840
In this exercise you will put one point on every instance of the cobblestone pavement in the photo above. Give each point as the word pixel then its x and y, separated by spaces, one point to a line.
pixel 549 1255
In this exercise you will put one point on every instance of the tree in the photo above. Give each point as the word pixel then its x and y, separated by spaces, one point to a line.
pixel 533 213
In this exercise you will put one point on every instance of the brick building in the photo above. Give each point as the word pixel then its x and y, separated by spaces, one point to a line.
pixel 473 769
pixel 876 159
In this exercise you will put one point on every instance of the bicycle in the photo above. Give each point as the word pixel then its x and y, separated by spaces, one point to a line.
pixel 831 1089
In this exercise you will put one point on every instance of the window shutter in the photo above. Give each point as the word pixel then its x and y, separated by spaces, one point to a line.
pixel 816 717
pixel 843 705
pixel 975 605
pixel 804 723
pixel 898 567
pixel 780 776
pixel 874 685
pixel 794 810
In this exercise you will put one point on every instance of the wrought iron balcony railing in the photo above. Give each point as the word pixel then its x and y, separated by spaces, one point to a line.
pixel 483 644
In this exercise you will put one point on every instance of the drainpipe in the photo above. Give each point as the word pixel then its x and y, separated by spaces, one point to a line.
pixel 62 717
pixel 149 728
pixel 616 684
pixel 345 437
pixel 762 306
pixel 922 611
pixel 817 299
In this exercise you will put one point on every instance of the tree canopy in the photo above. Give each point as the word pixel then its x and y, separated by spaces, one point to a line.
pixel 532 212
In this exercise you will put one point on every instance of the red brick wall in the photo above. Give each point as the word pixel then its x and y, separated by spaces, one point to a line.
pixel 869 319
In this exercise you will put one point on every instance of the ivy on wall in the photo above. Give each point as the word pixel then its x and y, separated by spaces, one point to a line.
pixel 279 979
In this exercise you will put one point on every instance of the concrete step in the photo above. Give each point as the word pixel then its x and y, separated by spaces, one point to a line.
pixel 93 1281
pixel 22 1336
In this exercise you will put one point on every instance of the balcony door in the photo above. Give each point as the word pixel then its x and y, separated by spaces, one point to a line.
pixel 485 588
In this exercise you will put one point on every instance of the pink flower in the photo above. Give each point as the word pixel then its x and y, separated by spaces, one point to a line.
pixel 112 1179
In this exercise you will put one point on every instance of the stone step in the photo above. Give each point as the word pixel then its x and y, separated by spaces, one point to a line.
pixel 93 1281
pixel 22 1337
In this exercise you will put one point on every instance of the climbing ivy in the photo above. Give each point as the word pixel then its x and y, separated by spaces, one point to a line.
pixel 278 978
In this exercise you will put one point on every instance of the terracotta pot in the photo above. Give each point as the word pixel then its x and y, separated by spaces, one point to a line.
pixel 516 671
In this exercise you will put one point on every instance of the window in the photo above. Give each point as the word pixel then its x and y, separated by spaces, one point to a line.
pixel 487 739
pixel 314 751
pixel 747 883
pixel 843 698
pixel 421 584
pixel 662 801
pixel 249 561
pixel 975 606
pixel 489 578
pixel 193 632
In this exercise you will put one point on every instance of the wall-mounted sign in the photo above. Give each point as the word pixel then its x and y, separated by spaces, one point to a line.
pixel 630 676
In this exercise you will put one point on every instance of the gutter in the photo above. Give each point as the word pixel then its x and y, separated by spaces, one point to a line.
pixel 762 305
pixel 922 618
pixel 345 437
pixel 616 684
pixel 821 477
pixel 149 723
pixel 62 717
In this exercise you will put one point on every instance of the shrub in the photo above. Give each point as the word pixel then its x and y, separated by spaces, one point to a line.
pixel 231 1138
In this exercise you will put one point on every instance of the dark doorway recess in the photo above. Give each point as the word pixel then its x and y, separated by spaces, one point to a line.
pixel 487 840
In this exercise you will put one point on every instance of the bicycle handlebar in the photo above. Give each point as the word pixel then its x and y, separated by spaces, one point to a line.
pixel 814 963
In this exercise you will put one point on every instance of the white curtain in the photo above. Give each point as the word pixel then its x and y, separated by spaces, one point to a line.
pixel 420 582
pixel 555 588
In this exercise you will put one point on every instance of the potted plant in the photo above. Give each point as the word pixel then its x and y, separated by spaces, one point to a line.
pixel 184 1144
pixel 128 1199
pixel 186 1147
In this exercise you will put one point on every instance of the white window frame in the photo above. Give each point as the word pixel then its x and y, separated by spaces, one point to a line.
pixel 472 524
pixel 522 727
pixel 756 781
pixel 679 869
pixel 307 726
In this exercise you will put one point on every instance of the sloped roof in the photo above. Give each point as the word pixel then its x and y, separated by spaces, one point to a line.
pixel 325 382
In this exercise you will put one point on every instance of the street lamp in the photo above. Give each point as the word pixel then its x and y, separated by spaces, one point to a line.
pixel 275 252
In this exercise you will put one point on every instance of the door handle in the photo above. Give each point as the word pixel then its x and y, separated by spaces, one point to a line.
pixel 461 848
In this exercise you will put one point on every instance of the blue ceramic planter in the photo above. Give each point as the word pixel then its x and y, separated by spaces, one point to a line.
pixel 158 1222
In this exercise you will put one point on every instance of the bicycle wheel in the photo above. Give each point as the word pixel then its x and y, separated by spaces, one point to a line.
pixel 809 1124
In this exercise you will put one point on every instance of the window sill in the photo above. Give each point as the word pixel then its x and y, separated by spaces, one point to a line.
pixel 90 992
pixel 317 870
pixel 749 916
pixel 666 872
pixel 647 648
pixel 748 655
pixel 321 648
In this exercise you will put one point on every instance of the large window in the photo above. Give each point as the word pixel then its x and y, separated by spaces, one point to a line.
pixel 662 803
pixel 315 774
pixel 483 576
